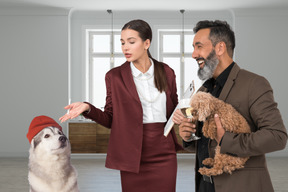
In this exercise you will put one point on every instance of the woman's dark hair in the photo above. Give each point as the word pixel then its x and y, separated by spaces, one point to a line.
pixel 145 32
pixel 219 31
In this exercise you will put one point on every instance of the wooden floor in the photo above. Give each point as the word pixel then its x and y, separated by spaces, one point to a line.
pixel 94 177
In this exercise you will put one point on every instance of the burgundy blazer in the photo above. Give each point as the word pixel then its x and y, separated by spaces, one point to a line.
pixel 124 115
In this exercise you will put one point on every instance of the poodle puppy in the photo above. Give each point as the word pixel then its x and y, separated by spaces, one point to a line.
pixel 203 107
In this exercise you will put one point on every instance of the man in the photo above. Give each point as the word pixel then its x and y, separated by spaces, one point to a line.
pixel 249 94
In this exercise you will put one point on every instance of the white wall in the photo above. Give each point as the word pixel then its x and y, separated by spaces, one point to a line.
pixel 33 74
pixel 261 47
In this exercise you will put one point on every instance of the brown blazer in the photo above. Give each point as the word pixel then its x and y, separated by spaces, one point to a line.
pixel 124 115
pixel 252 96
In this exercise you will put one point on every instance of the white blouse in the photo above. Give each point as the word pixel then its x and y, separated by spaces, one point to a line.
pixel 153 102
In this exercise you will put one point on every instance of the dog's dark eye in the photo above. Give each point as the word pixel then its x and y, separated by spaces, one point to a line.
pixel 46 136
pixel 60 133
pixel 194 112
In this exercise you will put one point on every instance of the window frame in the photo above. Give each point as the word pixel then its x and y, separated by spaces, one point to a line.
pixel 90 55
pixel 179 55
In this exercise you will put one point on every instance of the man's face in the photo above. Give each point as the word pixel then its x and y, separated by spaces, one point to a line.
pixel 205 55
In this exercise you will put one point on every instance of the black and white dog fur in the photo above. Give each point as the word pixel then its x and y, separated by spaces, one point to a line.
pixel 50 169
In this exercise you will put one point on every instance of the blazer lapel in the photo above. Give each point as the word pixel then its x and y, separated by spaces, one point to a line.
pixel 229 83
pixel 128 80
pixel 223 95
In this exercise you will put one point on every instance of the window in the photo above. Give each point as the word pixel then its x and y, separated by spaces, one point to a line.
pixel 100 46
pixel 170 52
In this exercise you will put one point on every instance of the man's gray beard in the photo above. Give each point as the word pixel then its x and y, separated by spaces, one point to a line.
pixel 210 65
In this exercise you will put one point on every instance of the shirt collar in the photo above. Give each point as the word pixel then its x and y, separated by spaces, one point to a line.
pixel 137 73
pixel 221 79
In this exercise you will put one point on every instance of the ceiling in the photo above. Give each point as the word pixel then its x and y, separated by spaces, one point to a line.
pixel 164 5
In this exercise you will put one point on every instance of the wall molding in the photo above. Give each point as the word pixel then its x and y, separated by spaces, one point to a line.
pixel 33 11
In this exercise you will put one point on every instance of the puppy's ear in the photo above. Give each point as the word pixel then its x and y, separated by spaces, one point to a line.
pixel 203 114
pixel 204 109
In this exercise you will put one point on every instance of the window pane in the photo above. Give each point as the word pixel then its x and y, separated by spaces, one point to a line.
pixel 171 43
pixel 174 63
pixel 99 67
pixel 101 43
pixel 191 70
pixel 117 44
pixel 188 43
pixel 119 61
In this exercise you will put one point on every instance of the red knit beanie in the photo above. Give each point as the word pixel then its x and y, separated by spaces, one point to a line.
pixel 39 123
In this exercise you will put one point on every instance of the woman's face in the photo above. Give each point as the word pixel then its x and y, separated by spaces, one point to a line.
pixel 133 47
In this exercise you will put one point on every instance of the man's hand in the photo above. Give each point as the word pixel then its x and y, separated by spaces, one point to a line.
pixel 186 128
pixel 220 129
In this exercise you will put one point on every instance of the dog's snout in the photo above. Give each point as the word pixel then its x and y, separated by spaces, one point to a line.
pixel 62 139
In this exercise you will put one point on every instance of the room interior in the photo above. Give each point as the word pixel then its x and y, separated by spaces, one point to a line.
pixel 44 67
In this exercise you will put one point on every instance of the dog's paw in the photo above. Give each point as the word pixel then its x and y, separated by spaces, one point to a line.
pixel 208 161
pixel 202 171
pixel 210 172
pixel 229 169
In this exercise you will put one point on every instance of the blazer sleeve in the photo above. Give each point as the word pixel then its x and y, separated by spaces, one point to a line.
pixel 171 81
pixel 268 132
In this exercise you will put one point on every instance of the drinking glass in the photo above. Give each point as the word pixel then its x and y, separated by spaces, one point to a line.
pixel 185 108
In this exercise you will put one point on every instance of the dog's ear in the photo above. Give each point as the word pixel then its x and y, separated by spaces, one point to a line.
pixel 204 106
pixel 203 113
pixel 36 140
pixel 32 143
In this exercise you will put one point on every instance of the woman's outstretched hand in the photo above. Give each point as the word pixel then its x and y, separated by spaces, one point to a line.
pixel 74 110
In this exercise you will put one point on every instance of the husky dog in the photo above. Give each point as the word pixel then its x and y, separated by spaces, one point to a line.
pixel 50 169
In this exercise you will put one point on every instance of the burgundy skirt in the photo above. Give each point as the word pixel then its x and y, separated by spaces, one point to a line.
pixel 158 166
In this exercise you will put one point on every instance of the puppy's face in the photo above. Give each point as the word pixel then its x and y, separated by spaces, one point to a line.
pixel 50 140
pixel 201 105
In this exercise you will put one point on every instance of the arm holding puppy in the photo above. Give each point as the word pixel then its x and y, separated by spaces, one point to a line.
pixel 220 129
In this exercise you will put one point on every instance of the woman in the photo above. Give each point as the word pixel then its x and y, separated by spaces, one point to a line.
pixel 141 95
